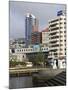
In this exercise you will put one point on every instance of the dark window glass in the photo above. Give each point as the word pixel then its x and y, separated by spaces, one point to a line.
pixel 54 37
pixel 61 27
pixel 61 19
pixel 60 23
pixel 61 32
pixel 64 22
pixel 61 53
pixel 61 40
pixel 60 49
pixel 54 20
pixel 54 28
pixel 23 56
pixel 61 44
pixel 52 25
pixel 13 51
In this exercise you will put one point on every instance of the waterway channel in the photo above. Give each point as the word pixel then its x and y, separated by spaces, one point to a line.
pixel 20 82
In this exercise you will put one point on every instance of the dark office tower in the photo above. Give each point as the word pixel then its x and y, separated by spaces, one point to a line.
pixel 29 20
pixel 35 33
pixel 36 37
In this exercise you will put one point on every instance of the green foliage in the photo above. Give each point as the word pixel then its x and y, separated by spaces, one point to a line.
pixel 39 57
pixel 14 63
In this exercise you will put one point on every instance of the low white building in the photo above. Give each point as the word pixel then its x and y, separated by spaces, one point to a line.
pixel 20 54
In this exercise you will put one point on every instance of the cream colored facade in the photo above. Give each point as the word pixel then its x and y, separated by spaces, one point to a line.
pixel 45 37
pixel 57 37
pixel 18 57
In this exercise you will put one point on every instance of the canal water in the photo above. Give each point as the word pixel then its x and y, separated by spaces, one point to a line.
pixel 20 82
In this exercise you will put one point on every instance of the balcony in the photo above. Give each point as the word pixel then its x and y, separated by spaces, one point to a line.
pixel 55 39
pixel 52 27
pixel 54 43
pixel 52 48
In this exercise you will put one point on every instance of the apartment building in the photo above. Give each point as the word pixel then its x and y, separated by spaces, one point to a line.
pixel 57 37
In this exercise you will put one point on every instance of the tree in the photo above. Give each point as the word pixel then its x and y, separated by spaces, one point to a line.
pixel 40 59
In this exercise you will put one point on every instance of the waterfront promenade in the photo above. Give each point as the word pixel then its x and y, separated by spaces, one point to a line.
pixel 25 70
pixel 34 70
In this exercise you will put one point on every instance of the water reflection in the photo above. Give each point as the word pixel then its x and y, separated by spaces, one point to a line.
pixel 20 82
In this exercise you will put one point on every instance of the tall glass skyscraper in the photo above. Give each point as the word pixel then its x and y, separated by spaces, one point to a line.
pixel 30 22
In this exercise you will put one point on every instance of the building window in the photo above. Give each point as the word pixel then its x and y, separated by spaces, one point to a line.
pixel 55 54
pixel 61 40
pixel 20 50
pixel 53 41
pixel 53 33
pixel 64 35
pixel 61 49
pixel 54 37
pixel 26 49
pixel 61 19
pixel 54 28
pixel 30 49
pixel 61 36
pixel 54 20
pixel 61 32
pixel 61 23
pixel 65 27
pixel 55 45
pixel 64 22
pixel 61 27
pixel 44 48
pixel 61 53
pixel 13 51
pixel 52 25
pixel 23 56
pixel 61 44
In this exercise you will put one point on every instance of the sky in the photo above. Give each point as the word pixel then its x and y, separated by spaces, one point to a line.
pixel 18 10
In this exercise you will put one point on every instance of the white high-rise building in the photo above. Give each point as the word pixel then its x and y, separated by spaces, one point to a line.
pixel 57 37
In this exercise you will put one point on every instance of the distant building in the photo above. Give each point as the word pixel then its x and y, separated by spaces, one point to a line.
pixel 17 43
pixel 45 36
pixel 35 25
pixel 35 38
pixel 31 25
